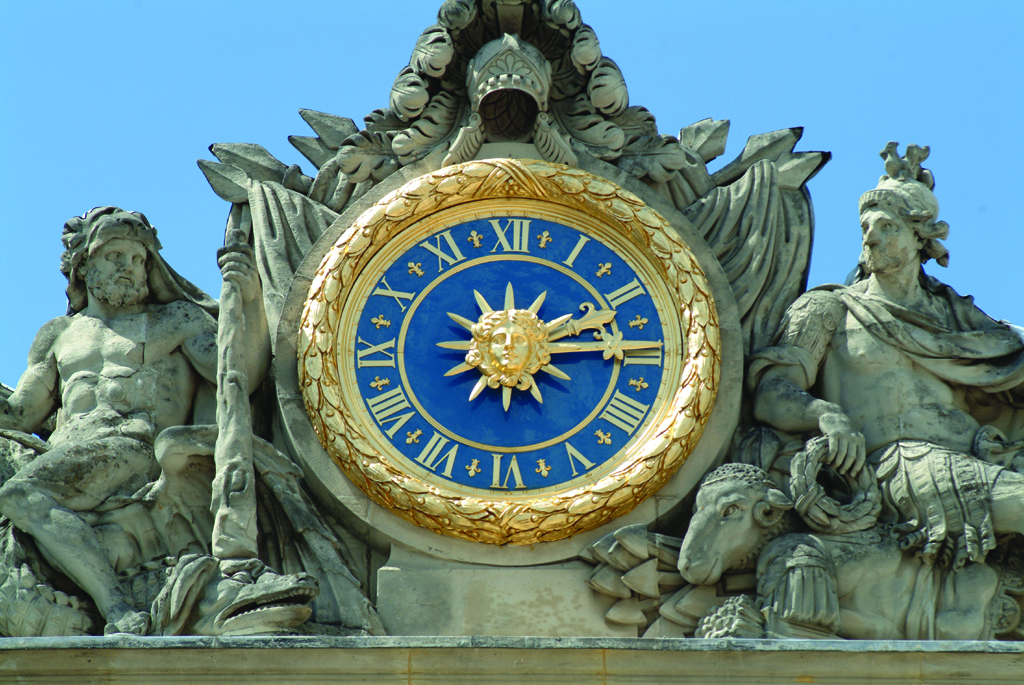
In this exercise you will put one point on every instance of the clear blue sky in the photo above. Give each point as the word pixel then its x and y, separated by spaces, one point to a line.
pixel 113 102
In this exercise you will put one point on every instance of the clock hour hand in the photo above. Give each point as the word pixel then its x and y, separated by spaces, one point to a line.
pixel 565 325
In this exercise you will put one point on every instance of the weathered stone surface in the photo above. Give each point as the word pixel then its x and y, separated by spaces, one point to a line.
pixel 419 595
pixel 531 661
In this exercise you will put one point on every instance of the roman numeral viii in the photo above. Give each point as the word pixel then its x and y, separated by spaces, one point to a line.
pixel 624 412
pixel 386 407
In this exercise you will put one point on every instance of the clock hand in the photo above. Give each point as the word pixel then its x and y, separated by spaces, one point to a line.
pixel 507 356
pixel 557 328
pixel 610 346
pixel 566 325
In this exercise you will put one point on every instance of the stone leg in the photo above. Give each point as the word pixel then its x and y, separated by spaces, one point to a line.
pixel 42 501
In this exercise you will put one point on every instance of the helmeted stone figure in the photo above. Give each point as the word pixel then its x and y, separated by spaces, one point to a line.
pixel 908 397
pixel 900 372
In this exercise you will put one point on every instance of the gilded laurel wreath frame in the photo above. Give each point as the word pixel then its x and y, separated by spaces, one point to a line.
pixel 644 469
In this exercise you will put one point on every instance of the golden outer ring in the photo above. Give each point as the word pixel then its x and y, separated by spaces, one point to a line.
pixel 645 468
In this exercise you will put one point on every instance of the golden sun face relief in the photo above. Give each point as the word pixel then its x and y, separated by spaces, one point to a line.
pixel 510 345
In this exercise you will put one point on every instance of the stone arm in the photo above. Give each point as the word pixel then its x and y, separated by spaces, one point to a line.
pixel 782 403
pixel 783 376
pixel 37 393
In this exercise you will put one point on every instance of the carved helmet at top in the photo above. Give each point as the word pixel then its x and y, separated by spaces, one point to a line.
pixel 509 83
pixel 906 190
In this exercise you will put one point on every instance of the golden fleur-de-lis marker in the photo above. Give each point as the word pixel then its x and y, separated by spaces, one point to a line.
pixel 544 239
pixel 473 468
pixel 638 384
pixel 414 268
pixel 379 383
pixel 380 321
pixel 603 438
pixel 542 468
pixel 413 436
pixel 604 269
pixel 638 322
pixel 475 238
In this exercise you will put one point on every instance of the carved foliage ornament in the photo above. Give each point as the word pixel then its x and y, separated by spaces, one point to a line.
pixel 509 351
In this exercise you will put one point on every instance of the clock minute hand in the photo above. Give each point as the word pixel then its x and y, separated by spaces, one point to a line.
pixel 611 346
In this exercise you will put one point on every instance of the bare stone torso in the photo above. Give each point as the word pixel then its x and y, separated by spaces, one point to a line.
pixel 888 397
pixel 128 374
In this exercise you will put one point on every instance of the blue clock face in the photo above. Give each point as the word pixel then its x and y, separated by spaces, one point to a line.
pixel 509 354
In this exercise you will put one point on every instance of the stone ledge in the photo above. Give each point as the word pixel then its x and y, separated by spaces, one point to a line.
pixel 532 660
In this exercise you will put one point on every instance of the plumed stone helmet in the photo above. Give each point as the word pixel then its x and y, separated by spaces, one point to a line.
pixel 509 68
pixel 906 190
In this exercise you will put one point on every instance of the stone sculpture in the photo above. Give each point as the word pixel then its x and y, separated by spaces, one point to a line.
pixel 908 372
pixel 857 585
pixel 114 507
pixel 883 497
pixel 511 78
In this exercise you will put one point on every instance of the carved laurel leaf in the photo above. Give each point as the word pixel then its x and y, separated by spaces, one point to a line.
pixel 332 129
pixel 637 123
pixel 367 155
pixel 607 88
pixel 456 14
pixel 560 14
pixel 707 137
pixel 566 80
pixel 602 138
pixel 433 52
pixel 383 120
pixel 586 49
pixel 313 149
pixel 429 131
pixel 659 159
pixel 496 521
pixel 227 180
pixel 408 94
pixel 552 143
pixel 253 159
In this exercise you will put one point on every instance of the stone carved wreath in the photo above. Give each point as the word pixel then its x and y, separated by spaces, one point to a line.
pixel 821 512
pixel 642 473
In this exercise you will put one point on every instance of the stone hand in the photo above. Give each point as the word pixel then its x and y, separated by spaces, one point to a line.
pixel 238 266
pixel 846 451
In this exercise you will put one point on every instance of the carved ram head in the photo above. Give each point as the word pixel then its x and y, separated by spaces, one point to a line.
pixel 738 510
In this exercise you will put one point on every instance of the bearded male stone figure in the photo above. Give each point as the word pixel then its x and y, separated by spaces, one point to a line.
pixel 900 372
pixel 126 362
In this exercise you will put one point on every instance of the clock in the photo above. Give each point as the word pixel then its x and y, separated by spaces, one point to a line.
pixel 509 351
